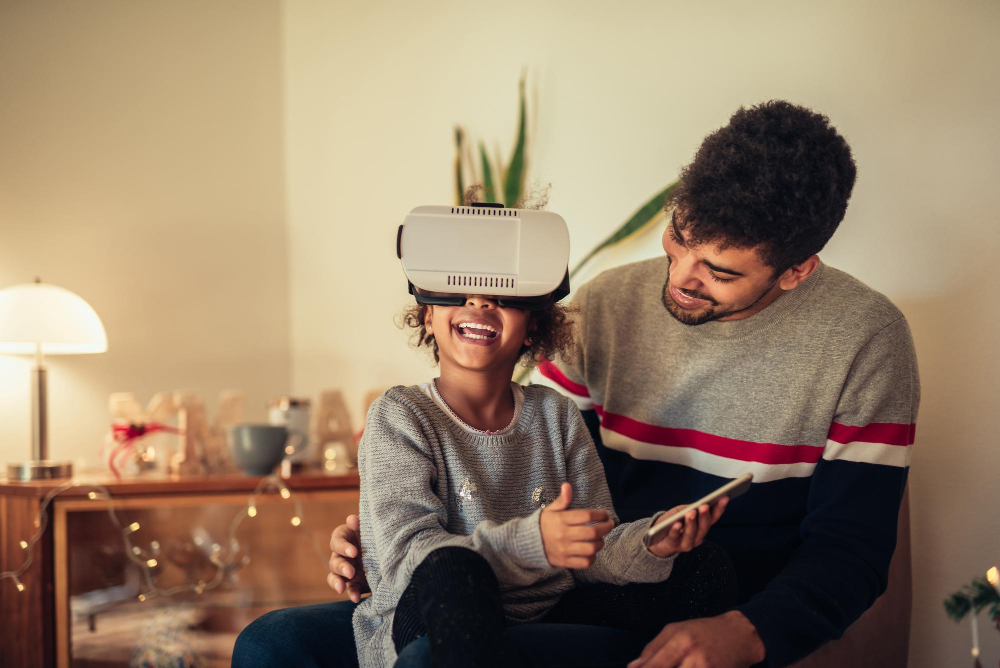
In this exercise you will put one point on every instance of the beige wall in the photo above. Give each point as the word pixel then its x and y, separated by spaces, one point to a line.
pixel 626 92
pixel 146 150
pixel 141 166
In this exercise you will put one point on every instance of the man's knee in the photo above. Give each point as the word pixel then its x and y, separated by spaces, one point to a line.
pixel 308 636
pixel 268 640
pixel 710 566
pixel 417 654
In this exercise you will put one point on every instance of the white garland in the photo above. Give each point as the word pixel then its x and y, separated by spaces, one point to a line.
pixel 147 562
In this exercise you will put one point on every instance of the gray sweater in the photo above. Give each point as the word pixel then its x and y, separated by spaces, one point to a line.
pixel 426 483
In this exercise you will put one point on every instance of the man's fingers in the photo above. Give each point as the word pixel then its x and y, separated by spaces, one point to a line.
pixel 589 532
pixel 668 654
pixel 354 591
pixel 651 648
pixel 354 522
pixel 342 567
pixel 336 583
pixel 344 541
pixel 586 516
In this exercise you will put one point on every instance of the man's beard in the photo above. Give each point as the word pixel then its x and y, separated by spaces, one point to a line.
pixel 701 317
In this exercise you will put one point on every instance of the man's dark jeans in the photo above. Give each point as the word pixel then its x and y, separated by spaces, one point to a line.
pixel 321 636
pixel 583 632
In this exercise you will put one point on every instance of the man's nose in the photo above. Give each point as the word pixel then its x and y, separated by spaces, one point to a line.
pixel 682 273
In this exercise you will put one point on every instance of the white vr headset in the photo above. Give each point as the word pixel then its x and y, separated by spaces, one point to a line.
pixel 518 257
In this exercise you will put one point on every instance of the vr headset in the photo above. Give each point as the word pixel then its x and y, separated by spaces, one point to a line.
pixel 518 257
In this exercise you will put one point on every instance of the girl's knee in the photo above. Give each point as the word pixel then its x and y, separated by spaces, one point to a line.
pixel 450 561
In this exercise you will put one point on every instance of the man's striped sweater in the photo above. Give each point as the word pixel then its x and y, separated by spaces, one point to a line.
pixel 816 395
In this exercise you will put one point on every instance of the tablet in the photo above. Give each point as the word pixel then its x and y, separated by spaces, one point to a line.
pixel 732 489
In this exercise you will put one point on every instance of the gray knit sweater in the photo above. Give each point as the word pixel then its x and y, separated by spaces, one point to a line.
pixel 426 482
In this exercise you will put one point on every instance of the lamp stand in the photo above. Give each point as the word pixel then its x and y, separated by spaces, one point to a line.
pixel 40 468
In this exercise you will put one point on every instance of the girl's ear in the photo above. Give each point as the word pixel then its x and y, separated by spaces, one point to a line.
pixel 532 328
pixel 428 316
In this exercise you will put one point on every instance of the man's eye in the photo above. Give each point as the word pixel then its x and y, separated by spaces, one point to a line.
pixel 716 278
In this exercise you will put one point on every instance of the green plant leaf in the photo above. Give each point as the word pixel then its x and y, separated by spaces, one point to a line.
pixel 646 214
pixel 459 183
pixel 490 193
pixel 513 183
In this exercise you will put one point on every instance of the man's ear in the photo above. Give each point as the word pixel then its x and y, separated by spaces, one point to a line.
pixel 793 277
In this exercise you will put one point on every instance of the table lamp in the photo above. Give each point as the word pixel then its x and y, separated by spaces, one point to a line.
pixel 41 319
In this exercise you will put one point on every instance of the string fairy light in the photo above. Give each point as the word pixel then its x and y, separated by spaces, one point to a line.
pixel 224 561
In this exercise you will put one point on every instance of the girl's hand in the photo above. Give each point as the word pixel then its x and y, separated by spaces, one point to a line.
pixel 570 537
pixel 689 534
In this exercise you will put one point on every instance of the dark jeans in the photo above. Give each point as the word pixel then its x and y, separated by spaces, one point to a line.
pixel 321 636
pixel 593 626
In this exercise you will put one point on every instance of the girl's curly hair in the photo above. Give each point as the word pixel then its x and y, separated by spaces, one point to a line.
pixel 551 332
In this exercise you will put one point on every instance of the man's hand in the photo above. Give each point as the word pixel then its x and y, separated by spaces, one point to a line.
pixel 689 534
pixel 346 570
pixel 570 537
pixel 726 641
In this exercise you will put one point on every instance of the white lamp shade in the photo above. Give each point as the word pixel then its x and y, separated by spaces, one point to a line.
pixel 40 313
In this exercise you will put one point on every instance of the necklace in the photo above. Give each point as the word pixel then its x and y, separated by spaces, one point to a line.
pixel 454 416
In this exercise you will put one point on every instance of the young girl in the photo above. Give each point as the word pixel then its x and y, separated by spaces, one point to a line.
pixel 467 484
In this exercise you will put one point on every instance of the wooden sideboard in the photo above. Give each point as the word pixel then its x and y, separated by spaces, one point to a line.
pixel 80 603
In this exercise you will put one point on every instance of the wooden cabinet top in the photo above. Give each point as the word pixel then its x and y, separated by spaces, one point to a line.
pixel 207 484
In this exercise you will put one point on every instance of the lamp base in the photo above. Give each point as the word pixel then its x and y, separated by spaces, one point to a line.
pixel 39 470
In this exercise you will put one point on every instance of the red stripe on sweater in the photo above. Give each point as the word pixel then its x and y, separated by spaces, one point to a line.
pixel 888 433
pixel 731 448
pixel 553 373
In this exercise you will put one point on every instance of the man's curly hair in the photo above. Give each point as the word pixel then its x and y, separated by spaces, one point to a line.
pixel 551 332
pixel 777 178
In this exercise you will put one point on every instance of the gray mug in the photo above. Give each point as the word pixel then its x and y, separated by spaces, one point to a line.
pixel 258 448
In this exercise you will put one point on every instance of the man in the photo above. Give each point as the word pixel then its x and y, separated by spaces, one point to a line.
pixel 741 351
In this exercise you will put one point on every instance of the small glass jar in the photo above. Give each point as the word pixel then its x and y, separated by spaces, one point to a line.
pixel 293 412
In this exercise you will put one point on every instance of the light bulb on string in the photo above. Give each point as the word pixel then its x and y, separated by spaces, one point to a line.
pixel 252 511
pixel 139 556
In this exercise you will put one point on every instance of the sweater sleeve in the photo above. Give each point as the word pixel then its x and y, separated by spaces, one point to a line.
pixel 849 532
pixel 624 558
pixel 408 518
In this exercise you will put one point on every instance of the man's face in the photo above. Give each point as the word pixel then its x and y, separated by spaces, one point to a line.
pixel 705 283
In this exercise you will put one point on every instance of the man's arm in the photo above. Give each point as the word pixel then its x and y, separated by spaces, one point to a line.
pixel 849 532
